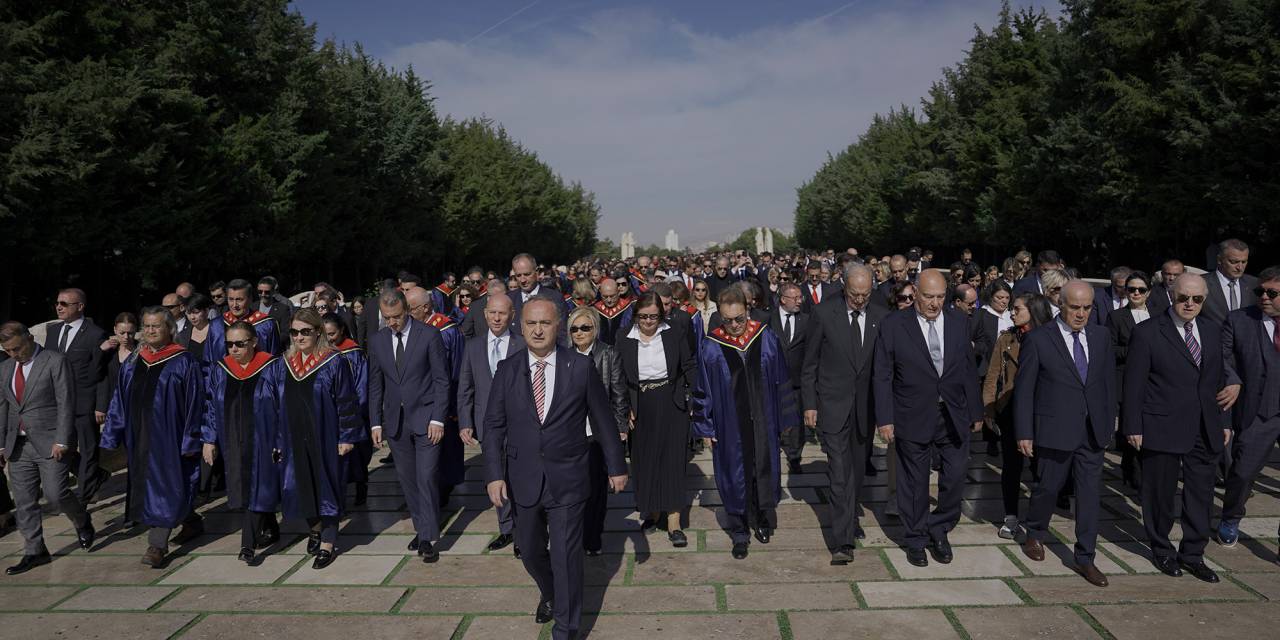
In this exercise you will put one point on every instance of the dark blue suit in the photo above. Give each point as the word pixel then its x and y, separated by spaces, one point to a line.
pixel 404 400
pixel 545 466
pixel 1027 284
pixel 1250 359
pixel 1171 403
pixel 1070 421
pixel 927 411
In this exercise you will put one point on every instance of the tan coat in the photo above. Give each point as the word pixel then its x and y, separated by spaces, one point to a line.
pixel 1000 373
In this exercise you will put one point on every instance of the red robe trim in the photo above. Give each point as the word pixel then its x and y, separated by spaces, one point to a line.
pixel 742 342
pixel 346 346
pixel 243 372
pixel 445 289
pixel 689 309
pixel 156 357
pixel 301 365
pixel 440 321
pixel 644 284
pixel 612 312
pixel 256 316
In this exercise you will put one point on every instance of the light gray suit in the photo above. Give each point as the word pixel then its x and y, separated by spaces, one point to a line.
pixel 473 396
pixel 47 415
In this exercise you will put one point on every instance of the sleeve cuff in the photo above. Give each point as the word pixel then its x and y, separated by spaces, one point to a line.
pixel 375 427
pixel 436 423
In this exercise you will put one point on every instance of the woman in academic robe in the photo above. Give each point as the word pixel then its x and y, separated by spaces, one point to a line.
pixel 240 429
pixel 463 298
pixel 318 426
pixel 356 464
pixel 155 414
pixel 658 365
pixel 582 295
pixel 742 404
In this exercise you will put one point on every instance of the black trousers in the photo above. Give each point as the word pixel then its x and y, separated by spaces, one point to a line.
pixel 1250 448
pixel 914 462
pixel 598 501
pixel 1083 466
pixel 255 524
pixel 326 526
pixel 89 476
pixel 1012 462
pixel 418 469
pixel 1160 470
pixel 739 524
pixel 846 465
pixel 558 571
pixel 792 441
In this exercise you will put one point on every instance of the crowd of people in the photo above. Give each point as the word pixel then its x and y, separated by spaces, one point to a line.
pixel 577 380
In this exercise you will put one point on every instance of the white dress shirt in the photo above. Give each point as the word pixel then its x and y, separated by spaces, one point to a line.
pixel 26 377
pixel 1067 337
pixel 1140 315
pixel 1225 282
pixel 1269 324
pixel 813 291
pixel 1180 325
pixel 1004 321
pixel 548 377
pixel 75 329
pixel 938 326
pixel 529 294
pixel 651 356
pixel 789 321
pixel 862 325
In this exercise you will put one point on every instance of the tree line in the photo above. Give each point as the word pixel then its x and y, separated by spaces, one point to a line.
pixel 1120 132
pixel 143 143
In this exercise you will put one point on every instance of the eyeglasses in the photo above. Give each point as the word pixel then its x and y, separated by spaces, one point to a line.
pixel 736 320
pixel 306 333
pixel 63 303
pixel 1182 297
pixel 700 289
pixel 647 316
pixel 581 328
pixel 172 306
pixel 908 298
pixel 1137 289
pixel 1267 293
pixel 241 344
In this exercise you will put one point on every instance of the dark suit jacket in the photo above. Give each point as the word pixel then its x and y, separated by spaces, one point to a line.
pixel 1122 325
pixel 1215 306
pixel 907 387
pixel 550 456
pixel 88 362
pixel 1028 284
pixel 793 348
pixel 1250 359
pixel 1167 399
pixel 984 329
pixel 475 381
pixel 680 366
pixel 368 325
pixel 828 291
pixel 1158 301
pixel 415 397
pixel 835 381
pixel 1051 404
pixel 1101 313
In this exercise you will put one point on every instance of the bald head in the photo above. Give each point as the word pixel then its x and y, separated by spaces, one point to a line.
pixel 1191 284
pixel 931 293
pixel 498 303
pixel 1077 304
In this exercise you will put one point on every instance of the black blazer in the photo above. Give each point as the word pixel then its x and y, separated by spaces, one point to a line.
pixel 1167 399
pixel 907 387
pixel 1250 359
pixel 88 362
pixel 1122 325
pixel 793 348
pixel 680 366
pixel 834 381
pixel 1158 301
pixel 826 290
pixel 1215 306
pixel 1051 404
pixel 984 329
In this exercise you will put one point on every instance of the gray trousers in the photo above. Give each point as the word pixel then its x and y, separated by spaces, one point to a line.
pixel 30 474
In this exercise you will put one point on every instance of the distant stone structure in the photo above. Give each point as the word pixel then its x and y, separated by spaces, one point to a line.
pixel 673 240
pixel 628 245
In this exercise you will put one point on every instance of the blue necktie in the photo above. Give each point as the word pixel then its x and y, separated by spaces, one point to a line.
pixel 1082 361
pixel 494 357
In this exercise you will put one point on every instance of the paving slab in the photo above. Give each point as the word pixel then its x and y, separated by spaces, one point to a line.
pixel 1246 557
pixel 790 538
pixel 1190 621
pixel 230 570
pixel 503 628
pixel 757 567
pixel 969 562
pixel 1128 588
pixel 293 599
pixel 1059 560
pixel 920 624
pixel 937 593
pixel 117 598
pixel 1019 623
pixel 94 626
pixel 1268 584
pixel 1137 555
pixel 723 626
pixel 500 570
pixel 772 597
pixel 352 569
pixel 90 569
pixel 220 626
pixel 26 598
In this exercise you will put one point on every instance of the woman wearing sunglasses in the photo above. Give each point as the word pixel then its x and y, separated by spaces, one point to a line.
pixel 1123 320
pixel 703 302
pixel 240 428
pixel 318 425
pixel 658 363
pixel 584 329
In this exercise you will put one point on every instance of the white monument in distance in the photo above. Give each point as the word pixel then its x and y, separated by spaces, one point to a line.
pixel 673 240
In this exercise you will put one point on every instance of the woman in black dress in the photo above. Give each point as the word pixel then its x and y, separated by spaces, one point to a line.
pixel 1123 320
pixel 193 335
pixel 658 364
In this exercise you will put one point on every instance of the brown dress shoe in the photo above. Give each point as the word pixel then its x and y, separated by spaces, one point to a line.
pixel 1091 573
pixel 1033 549
pixel 154 557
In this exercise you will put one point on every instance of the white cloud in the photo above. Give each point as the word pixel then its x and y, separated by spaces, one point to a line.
pixel 705 134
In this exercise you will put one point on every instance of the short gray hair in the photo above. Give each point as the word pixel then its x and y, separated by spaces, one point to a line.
pixel 854 268
pixel 157 310
pixel 392 298
pixel 1232 244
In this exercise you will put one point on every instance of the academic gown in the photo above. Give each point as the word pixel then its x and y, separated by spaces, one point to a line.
pixel 240 418
pixel 613 319
pixel 442 298
pixel 356 464
pixel 264 327
pixel 155 413
pixel 730 387
pixel 318 411
pixel 452 463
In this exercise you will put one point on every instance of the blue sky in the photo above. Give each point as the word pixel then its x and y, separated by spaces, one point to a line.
pixel 698 115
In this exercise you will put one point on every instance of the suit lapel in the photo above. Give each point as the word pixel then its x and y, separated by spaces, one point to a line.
pixel 670 351
pixel 1096 336
pixel 954 336
pixel 1270 356
pixel 631 362
pixel 917 337
pixel 564 367
pixel 869 334
pixel 1180 344
pixel 6 378
pixel 1060 346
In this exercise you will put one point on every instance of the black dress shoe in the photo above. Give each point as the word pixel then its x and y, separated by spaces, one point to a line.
pixel 544 612
pixel 648 526
pixel 591 553
pixel 859 534
pixel 246 555
pixel 389 459
pixel 941 550
pixel 678 539
pixel 86 536
pixel 917 558
pixel 324 558
pixel 189 532
pixel 428 552
pixel 28 563
pixel 413 544
pixel 268 538
pixel 362 493
pixel 499 543
pixel 313 543
pixel 1167 566
pixel 739 550
pixel 1201 571
pixel 515 550
pixel 764 535
pixel 793 467
pixel 842 556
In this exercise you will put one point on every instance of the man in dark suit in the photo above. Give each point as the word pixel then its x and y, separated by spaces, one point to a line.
pixel 720 278
pixel 275 305
pixel 1161 297
pixel 36 432
pixel 408 400
pixel 536 452
pixel 898 272
pixel 789 323
pixel 1046 261
pixel 1251 358
pixel 371 318
pixel 1064 367
pixel 1108 299
pixel 1230 288
pixel 836 397
pixel 479 363
pixel 926 400
pixel 78 339
pixel 814 289
pixel 1172 377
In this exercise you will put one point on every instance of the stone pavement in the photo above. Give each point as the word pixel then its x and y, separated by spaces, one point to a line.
pixel 642 587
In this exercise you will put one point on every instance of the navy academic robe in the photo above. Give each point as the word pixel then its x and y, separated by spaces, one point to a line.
pixel 356 467
pixel 452 465
pixel 253 481
pixel 309 443
pixel 264 327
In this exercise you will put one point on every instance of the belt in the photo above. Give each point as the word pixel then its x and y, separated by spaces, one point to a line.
pixel 650 385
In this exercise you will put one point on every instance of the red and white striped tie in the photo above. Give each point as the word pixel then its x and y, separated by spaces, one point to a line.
pixel 540 387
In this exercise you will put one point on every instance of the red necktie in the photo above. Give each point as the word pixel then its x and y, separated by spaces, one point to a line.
pixel 19 382
pixel 813 292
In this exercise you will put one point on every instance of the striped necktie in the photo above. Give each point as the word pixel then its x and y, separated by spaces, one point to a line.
pixel 540 387
pixel 1193 345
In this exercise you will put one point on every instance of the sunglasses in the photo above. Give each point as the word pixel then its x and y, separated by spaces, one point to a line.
pixel 906 298
pixel 1267 293
pixel 306 333
pixel 1137 289
pixel 263 294
pixel 700 289
pixel 581 328
pixel 239 344
pixel 62 303
pixel 647 316
pixel 736 320
pixel 171 306
pixel 1186 298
